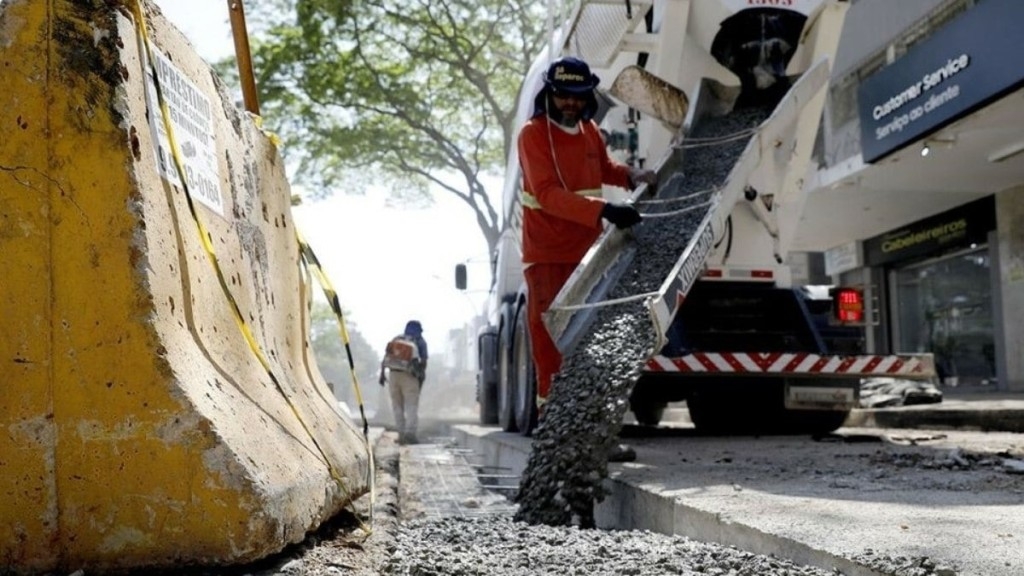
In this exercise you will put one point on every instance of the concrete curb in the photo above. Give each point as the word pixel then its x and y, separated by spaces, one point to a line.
pixel 633 507
pixel 988 416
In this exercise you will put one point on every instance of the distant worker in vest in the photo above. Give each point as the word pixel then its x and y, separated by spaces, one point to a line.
pixel 405 358
pixel 564 163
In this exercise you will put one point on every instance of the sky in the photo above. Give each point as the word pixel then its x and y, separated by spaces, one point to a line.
pixel 388 265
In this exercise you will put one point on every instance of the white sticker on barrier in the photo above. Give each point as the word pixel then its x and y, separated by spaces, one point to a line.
pixel 192 121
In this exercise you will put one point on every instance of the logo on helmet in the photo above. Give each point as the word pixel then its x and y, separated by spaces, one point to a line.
pixel 561 75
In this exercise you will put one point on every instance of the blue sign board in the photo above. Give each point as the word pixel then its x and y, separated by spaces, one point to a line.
pixel 970 62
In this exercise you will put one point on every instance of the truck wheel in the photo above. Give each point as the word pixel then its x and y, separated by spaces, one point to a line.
pixel 727 414
pixel 487 377
pixel 506 384
pixel 759 412
pixel 815 421
pixel 648 412
pixel 525 375
pixel 487 399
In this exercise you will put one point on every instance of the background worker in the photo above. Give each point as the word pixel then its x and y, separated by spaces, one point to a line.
pixel 405 357
pixel 564 163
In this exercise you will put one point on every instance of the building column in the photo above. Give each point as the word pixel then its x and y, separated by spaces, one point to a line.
pixel 1009 274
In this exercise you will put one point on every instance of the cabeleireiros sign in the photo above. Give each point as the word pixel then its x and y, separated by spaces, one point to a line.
pixel 956 228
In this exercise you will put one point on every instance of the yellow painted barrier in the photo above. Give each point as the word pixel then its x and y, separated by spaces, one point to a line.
pixel 137 426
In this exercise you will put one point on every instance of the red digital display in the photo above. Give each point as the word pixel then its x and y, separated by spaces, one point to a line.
pixel 849 305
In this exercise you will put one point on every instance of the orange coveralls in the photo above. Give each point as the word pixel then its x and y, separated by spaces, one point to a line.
pixel 562 177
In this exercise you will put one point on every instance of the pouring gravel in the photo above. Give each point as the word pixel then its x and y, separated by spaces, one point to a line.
pixel 583 415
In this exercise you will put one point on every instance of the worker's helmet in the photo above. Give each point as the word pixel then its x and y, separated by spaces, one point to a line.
pixel 570 75
pixel 413 328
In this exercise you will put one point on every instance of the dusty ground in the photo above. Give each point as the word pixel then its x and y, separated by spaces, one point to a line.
pixel 866 469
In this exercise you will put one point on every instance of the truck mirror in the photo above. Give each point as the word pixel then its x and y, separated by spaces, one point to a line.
pixel 460 276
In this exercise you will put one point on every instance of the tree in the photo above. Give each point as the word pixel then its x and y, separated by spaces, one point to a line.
pixel 418 95
pixel 331 357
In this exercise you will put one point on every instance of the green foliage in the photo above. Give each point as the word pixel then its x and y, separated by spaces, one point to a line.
pixel 329 350
pixel 410 95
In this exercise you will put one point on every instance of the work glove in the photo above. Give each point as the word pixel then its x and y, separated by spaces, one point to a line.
pixel 382 380
pixel 622 215
pixel 638 176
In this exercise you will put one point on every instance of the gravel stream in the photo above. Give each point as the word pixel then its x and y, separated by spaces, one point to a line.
pixel 582 418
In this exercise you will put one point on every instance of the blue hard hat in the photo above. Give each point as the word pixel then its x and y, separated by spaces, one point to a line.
pixel 570 75
pixel 413 328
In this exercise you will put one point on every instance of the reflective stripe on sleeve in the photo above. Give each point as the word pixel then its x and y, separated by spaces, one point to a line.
pixel 530 201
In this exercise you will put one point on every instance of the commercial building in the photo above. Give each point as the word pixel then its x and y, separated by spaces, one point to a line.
pixel 919 192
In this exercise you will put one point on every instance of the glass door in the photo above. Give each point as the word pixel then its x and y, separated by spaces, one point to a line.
pixel 944 306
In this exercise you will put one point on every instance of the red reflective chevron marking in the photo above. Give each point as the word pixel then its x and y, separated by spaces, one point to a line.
pixel 873 363
pixel 895 368
pixel 765 361
pixel 785 363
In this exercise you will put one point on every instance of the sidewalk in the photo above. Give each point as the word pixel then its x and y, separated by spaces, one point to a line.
pixel 986 411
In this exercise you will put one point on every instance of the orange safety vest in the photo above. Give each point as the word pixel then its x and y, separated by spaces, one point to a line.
pixel 562 207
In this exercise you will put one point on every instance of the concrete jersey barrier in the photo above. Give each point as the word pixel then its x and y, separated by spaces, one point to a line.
pixel 137 426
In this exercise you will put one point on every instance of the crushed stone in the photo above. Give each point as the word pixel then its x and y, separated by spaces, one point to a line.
pixel 581 420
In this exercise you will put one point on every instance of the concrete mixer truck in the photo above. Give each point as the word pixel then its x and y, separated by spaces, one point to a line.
pixel 745 334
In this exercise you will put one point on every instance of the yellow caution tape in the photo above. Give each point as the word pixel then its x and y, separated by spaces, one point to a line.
pixel 312 263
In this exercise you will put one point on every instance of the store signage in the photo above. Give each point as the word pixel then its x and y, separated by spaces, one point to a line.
pixel 960 227
pixel 962 67
pixel 843 258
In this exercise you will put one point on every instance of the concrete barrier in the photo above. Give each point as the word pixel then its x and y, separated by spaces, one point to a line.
pixel 137 426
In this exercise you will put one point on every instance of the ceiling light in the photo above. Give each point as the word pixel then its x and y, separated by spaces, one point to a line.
pixel 946 142
pixel 1006 152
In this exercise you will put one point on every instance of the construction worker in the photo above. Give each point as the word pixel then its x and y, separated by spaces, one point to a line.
pixel 564 162
pixel 405 357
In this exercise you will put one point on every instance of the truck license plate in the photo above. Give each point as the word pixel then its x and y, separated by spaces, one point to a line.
pixel 819 398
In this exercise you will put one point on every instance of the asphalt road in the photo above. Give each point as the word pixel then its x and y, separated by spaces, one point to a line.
pixel 884 497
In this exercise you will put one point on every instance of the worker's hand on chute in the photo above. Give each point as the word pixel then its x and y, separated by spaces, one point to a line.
pixel 622 215
pixel 638 176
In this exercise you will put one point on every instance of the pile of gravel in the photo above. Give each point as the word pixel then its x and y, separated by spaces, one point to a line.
pixel 581 420
pixel 500 546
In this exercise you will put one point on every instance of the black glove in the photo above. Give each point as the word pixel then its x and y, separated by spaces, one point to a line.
pixel 622 215
pixel 381 380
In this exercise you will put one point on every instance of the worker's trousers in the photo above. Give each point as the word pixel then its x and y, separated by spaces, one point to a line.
pixel 404 389
pixel 544 281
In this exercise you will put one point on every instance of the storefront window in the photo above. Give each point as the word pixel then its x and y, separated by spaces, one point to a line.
pixel 944 306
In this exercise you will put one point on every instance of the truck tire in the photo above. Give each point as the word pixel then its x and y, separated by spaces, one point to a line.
pixel 487 377
pixel 506 383
pixel 816 421
pixel 647 412
pixel 525 376
pixel 728 411
pixel 725 413
pixel 487 400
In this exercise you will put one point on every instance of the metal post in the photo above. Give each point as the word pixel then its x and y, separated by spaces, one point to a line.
pixel 244 57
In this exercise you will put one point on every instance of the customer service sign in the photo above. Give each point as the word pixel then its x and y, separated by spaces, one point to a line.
pixel 972 61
